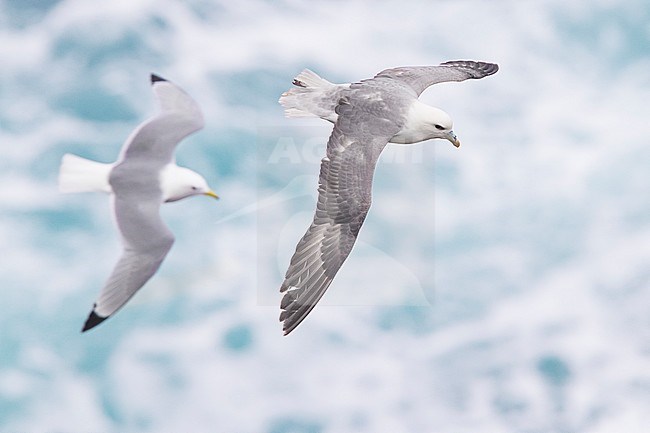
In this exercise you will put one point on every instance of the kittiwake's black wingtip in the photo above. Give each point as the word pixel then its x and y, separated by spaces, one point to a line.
pixel 92 321
pixel 155 78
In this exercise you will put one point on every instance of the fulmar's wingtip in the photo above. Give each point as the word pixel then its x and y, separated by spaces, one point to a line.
pixel 285 326
pixel 93 320
pixel 286 329
pixel 474 69
pixel 155 78
pixel 288 325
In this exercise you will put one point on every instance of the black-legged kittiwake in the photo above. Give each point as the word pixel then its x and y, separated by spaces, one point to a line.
pixel 144 176
pixel 366 116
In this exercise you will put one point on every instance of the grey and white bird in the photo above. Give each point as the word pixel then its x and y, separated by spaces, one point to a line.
pixel 366 116
pixel 144 176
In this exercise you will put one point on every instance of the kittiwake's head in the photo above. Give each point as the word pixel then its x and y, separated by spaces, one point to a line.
pixel 179 182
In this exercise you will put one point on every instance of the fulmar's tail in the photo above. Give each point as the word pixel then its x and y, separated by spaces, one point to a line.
pixel 312 96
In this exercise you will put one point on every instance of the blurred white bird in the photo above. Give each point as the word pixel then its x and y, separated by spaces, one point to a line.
pixel 144 176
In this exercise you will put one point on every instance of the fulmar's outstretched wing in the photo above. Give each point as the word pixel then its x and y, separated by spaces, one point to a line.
pixel 421 77
pixel 344 196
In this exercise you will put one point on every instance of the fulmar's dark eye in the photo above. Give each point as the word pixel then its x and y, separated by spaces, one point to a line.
pixel 439 127
pixel 194 188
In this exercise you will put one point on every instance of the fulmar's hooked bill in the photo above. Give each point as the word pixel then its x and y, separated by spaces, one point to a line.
pixel 366 116
pixel 144 176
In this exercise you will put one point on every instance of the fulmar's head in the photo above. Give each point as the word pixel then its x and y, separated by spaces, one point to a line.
pixel 440 125
pixel 179 182
pixel 424 122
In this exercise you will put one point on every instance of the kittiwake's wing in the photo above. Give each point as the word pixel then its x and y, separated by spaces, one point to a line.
pixel 155 140
pixel 146 241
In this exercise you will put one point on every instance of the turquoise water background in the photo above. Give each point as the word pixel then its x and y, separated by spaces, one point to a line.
pixel 499 287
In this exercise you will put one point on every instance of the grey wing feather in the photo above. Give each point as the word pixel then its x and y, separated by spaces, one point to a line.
pixel 344 197
pixel 421 77
pixel 131 272
pixel 146 242
pixel 155 140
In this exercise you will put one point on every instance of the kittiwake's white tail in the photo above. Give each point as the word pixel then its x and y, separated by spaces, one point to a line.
pixel 79 174
pixel 312 96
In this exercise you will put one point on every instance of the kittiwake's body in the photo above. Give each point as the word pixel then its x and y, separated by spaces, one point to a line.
pixel 144 176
